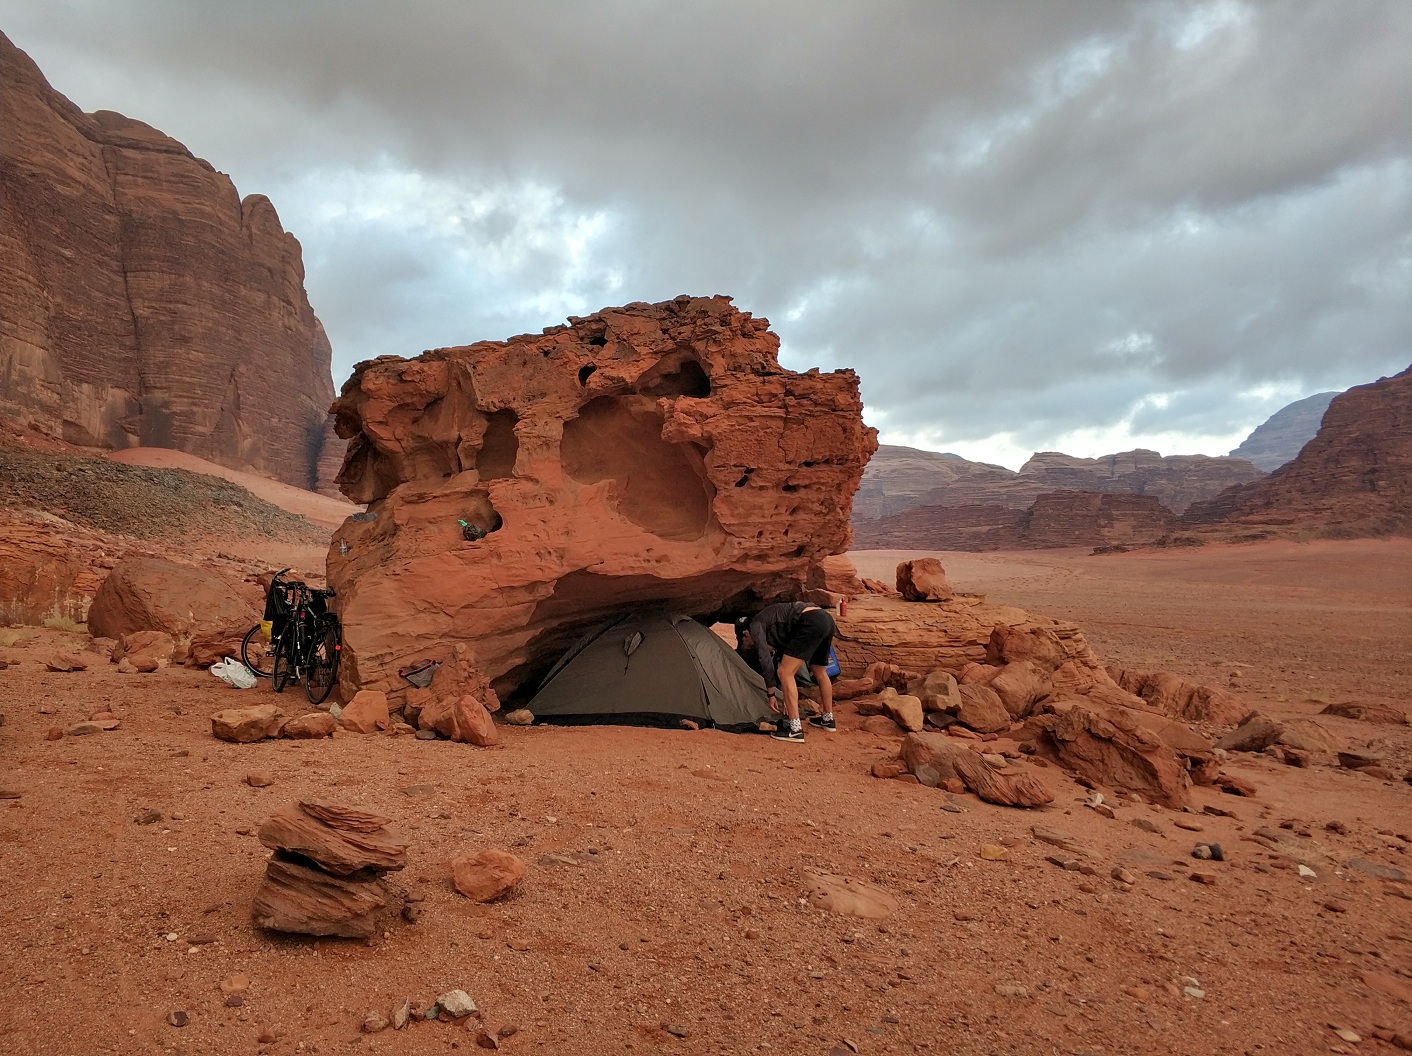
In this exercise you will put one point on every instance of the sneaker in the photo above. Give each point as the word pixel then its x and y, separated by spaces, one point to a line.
pixel 821 723
pixel 783 733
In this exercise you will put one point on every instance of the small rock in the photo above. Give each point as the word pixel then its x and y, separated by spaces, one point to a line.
pixel 1158 874
pixel 148 817
pixel 234 1001
pixel 674 1030
pixel 963 915
pixel 993 852
pixel 1201 851
pixel 1193 991
pixel 83 729
pixel 1187 823
pixel 1203 877
pixel 456 1003
pixel 178 1018
pixel 1061 862
pixel 1123 876
pixel 126 667
pixel 1306 872
pixel 427 735
pixel 1138 993
pixel 373 1022
pixel 1146 825
pixel 520 717
pixel 1350 1036
pixel 271 1034
pixel 53 733
pixel 259 779
pixel 1010 990
pixel 484 1038
pixel 1338 827
pixel 401 1014
pixel 1334 906
pixel 509 1030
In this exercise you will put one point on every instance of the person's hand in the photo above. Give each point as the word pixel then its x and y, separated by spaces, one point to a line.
pixel 775 703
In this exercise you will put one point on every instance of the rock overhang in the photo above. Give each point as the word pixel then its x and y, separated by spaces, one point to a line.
pixel 654 454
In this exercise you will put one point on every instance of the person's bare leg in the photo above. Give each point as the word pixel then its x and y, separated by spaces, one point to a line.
pixel 821 676
pixel 789 667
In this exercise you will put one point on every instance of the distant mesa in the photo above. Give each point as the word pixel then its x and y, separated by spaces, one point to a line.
pixel 1284 434
pixel 918 499
pixel 143 303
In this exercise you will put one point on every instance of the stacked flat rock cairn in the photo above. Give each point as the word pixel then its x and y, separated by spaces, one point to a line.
pixel 325 877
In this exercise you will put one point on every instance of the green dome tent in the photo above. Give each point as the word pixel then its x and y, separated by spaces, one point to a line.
pixel 651 668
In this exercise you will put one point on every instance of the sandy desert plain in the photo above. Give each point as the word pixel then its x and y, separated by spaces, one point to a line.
pixel 664 909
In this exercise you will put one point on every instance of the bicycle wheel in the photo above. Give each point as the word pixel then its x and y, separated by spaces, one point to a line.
pixel 283 668
pixel 256 653
pixel 323 660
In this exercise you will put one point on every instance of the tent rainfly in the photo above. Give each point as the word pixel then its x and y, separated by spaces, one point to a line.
pixel 651 668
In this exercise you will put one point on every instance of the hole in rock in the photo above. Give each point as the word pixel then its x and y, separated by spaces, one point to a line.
pixel 675 376
pixel 662 487
pixel 600 340
pixel 585 373
pixel 499 447
pixel 478 512
pixel 744 478
pixel 790 487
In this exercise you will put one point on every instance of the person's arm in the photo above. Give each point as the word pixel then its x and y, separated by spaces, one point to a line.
pixel 764 654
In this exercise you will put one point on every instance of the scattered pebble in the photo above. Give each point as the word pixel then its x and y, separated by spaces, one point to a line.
pixel 1011 990
pixel 1146 825
pixel 674 1030
pixel 456 1003
pixel 1189 824
pixel 259 779
pixel 1123 876
pixel 993 852
pixel 178 1018
pixel 373 1022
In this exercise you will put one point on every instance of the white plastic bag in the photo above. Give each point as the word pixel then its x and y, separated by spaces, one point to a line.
pixel 233 673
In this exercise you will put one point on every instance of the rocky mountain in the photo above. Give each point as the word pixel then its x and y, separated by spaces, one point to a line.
pixel 1281 436
pixel 1353 479
pixel 143 302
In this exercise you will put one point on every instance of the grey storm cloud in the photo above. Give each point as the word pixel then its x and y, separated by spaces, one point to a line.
pixel 1028 225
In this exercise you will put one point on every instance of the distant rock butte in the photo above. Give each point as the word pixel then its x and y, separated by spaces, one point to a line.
pixel 1283 435
pixel 1354 479
pixel 651 453
pixel 142 302
pixel 912 498
pixel 1056 519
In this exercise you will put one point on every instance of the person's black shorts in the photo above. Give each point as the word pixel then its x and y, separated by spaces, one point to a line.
pixel 810 638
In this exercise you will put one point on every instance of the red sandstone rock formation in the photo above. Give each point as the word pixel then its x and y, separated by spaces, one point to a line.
pixel 142 302
pixel 646 454
pixel 1054 519
pixel 899 479
pixel 1353 479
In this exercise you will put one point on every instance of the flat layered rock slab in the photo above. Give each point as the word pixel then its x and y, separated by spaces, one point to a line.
pixel 339 850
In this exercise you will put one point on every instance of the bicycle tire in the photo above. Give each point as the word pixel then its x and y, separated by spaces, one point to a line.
pixel 282 669
pixel 322 673
pixel 256 653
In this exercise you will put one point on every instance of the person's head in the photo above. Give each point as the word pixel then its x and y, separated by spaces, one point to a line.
pixel 742 633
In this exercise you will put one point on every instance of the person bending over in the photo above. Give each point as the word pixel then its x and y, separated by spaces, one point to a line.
pixel 787 637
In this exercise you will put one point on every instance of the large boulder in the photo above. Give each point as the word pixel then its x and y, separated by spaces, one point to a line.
pixel 1112 750
pixel 923 579
pixel 154 594
pixel 1171 695
pixel 652 453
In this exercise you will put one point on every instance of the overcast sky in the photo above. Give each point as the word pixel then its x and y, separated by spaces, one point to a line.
pixel 1048 225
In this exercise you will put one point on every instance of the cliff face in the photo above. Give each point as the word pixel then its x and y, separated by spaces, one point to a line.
pixel 646 454
pixel 1353 479
pixel 142 302
pixel 1283 435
